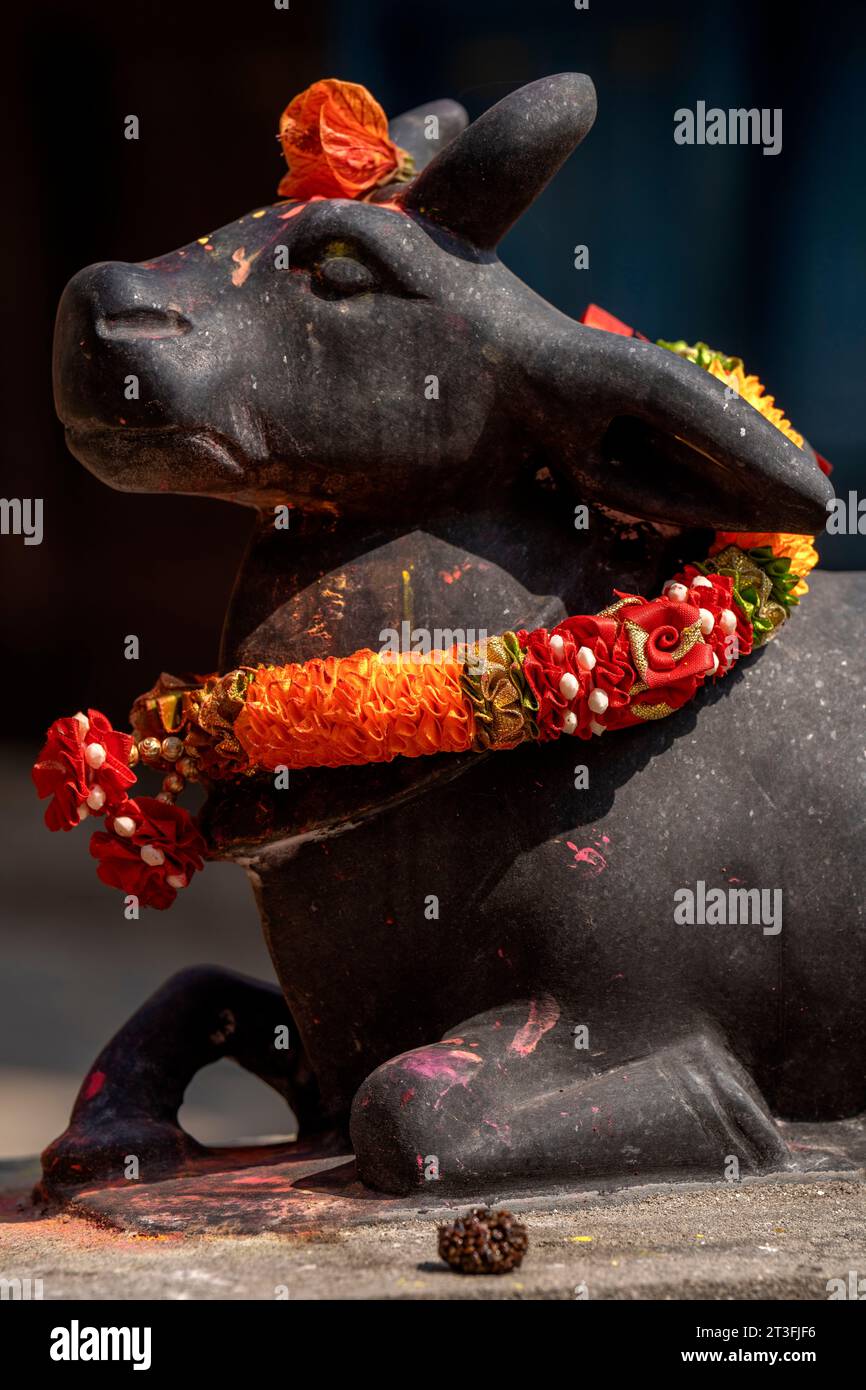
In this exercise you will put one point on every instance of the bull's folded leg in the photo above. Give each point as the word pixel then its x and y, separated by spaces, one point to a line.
pixel 128 1103
pixel 495 1107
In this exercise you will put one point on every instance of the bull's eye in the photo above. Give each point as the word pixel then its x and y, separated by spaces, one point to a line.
pixel 337 277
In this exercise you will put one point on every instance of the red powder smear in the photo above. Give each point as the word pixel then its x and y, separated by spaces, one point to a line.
pixel 592 859
pixel 95 1083
pixel 407 1096
pixel 543 1014
pixel 320 198
pixel 434 1065
pixel 244 265
pixel 299 207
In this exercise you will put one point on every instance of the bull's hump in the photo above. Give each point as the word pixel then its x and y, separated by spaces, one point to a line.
pixel 415 589
pixel 416 583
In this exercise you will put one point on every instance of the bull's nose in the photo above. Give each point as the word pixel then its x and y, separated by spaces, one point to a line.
pixel 136 324
pixel 112 319
pixel 116 300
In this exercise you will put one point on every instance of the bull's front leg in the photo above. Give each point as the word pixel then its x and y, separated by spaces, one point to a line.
pixel 506 1102
pixel 127 1107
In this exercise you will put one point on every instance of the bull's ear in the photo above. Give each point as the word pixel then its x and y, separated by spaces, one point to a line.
pixel 479 185
pixel 426 130
pixel 638 428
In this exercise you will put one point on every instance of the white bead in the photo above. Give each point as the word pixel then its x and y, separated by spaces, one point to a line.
pixel 176 881
pixel 83 813
pixel 598 702
pixel 152 855
pixel 569 722
pixel 585 659
pixel 728 621
pixel 557 646
pixel 677 593
pixel 715 664
pixel 124 825
pixel 701 583
pixel 708 622
pixel 596 728
pixel 96 799
pixel 568 686
pixel 95 755
pixel 83 721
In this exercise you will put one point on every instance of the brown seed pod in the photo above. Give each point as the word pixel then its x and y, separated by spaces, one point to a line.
pixel 483 1242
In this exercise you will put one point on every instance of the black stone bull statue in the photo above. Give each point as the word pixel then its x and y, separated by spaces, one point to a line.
pixel 478 959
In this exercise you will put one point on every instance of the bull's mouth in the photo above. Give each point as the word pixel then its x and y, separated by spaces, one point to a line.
pixel 167 458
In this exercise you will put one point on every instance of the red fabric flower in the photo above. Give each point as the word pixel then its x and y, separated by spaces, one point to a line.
pixel 715 598
pixel 160 829
pixel 64 773
pixel 544 670
pixel 670 678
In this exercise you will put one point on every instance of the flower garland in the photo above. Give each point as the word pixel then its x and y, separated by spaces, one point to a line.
pixel 638 660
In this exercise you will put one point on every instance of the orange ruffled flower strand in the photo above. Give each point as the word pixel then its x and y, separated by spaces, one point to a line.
pixel 364 708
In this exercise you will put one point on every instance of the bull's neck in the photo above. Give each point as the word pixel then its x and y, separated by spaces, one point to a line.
pixel 536 537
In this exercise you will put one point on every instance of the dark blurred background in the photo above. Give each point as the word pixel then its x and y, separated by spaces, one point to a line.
pixel 762 256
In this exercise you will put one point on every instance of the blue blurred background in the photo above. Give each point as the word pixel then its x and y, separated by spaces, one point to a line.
pixel 760 255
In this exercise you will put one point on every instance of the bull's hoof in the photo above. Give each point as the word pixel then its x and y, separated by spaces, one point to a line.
pixel 134 1149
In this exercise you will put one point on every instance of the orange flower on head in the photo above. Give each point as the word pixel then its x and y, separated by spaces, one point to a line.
pixel 336 143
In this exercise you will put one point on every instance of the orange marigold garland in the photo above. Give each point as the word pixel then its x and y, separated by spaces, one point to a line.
pixel 636 661
pixel 364 708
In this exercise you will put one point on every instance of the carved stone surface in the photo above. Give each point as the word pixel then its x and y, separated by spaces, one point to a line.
pixel 450 1043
